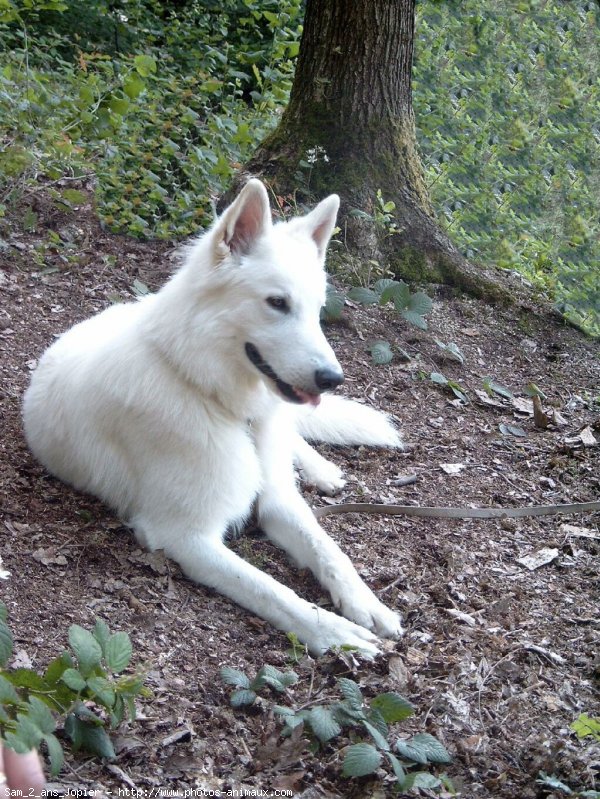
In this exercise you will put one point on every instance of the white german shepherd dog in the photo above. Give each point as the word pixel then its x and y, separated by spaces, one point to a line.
pixel 183 408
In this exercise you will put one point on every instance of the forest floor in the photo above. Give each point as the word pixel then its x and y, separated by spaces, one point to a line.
pixel 498 659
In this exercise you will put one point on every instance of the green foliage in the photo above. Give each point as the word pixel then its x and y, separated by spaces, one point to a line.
pixel 553 783
pixel 411 307
pixel 161 106
pixel 455 388
pixel 81 686
pixel 507 103
pixel 351 715
pixel 585 726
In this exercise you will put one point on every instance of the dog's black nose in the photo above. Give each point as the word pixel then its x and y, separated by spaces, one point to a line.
pixel 328 378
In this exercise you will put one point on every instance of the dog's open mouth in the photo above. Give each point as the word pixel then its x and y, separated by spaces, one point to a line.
pixel 291 393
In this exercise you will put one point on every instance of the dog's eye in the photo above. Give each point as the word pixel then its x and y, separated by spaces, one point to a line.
pixel 279 303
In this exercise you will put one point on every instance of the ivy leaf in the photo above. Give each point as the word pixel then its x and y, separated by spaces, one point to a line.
pixel 393 707
pixel 361 759
pixel 118 652
pixel 87 650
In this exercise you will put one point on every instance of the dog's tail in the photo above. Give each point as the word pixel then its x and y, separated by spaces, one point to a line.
pixel 341 421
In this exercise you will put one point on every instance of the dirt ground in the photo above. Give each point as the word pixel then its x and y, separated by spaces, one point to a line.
pixel 498 659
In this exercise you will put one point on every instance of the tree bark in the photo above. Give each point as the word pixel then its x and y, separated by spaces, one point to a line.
pixel 349 129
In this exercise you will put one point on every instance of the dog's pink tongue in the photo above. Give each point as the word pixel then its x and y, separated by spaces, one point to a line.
pixel 313 399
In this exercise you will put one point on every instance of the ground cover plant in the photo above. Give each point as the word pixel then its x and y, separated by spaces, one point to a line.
pixel 162 104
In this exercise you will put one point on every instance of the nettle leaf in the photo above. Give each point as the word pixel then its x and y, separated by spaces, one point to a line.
pixel 381 352
pixel 6 643
pixel 118 652
pixel 323 724
pixel 398 293
pixel 434 750
pixel 383 284
pixel 363 296
pixel 361 759
pixel 351 693
pixel 334 305
pixel 234 677
pixel 242 697
pixel 269 675
pixel 393 707
pixel 87 650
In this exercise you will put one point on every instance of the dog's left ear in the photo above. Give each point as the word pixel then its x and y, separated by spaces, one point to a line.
pixel 245 220
pixel 321 222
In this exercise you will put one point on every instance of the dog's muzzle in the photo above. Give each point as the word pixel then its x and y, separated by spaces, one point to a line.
pixel 325 379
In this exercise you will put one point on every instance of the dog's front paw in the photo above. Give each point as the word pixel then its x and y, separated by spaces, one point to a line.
pixel 327 477
pixel 363 608
pixel 331 630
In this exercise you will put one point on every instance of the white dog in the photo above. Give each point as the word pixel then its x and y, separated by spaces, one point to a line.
pixel 182 409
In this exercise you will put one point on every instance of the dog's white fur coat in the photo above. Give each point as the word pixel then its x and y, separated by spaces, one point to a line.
pixel 157 408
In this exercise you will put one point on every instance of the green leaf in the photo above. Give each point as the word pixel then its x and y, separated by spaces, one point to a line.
pixel 3 611
pixel 145 65
pixel 393 707
pixel 26 678
pixel 398 292
pixel 379 739
pixel 6 643
pixel 40 715
pixel 323 724
pixel 56 669
pixel 269 675
pixel 101 634
pixel 385 283
pixel 361 759
pixel 585 726
pixel 420 303
pixel 433 749
pixel 242 697
pixel 87 650
pixel 7 692
pixel 399 772
pixel 414 318
pixel 534 391
pixel 351 693
pixel 55 753
pixel 334 305
pixel 133 86
pixel 90 737
pixel 102 690
pixel 492 387
pixel 381 352
pixel 363 296
pixel 234 677
pixel 118 652
pixel 451 350
pixel 73 679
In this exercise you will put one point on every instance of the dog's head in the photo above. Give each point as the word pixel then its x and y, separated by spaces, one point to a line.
pixel 274 276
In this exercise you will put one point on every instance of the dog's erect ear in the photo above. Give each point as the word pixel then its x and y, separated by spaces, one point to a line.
pixel 245 220
pixel 321 222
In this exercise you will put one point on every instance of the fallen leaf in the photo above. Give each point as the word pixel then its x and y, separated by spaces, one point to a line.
pixel 452 468
pixel 522 405
pixel 470 331
pixel 464 617
pixel 512 430
pixel 558 419
pixel 540 417
pixel 538 559
pixel 578 532
pixel 484 397
pixel 587 437
pixel 48 557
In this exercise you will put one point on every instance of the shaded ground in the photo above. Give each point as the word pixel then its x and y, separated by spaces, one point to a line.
pixel 498 660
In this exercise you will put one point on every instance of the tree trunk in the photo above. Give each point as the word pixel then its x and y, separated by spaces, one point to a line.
pixel 349 129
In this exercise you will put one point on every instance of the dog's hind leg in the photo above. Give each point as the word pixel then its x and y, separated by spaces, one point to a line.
pixel 289 522
pixel 317 470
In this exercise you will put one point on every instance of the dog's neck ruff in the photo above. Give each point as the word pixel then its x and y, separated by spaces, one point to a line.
pixel 290 393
